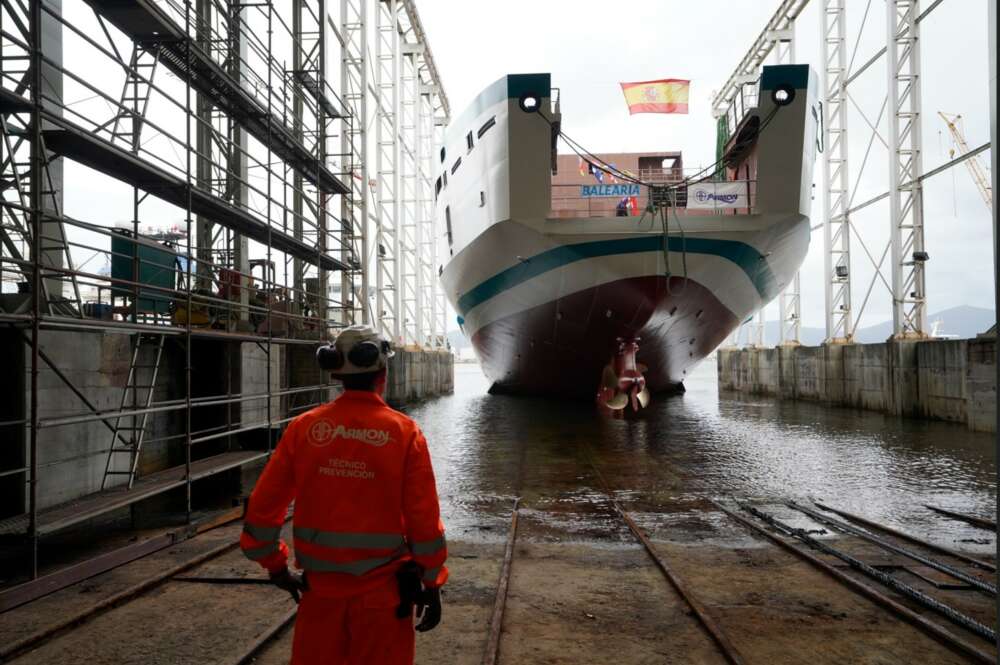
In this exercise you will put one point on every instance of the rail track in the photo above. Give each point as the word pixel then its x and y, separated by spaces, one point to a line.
pixel 724 644
pixel 779 532
pixel 38 638
pixel 927 554
pixel 954 628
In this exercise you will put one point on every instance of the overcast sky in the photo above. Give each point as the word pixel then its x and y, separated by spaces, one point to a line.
pixel 590 46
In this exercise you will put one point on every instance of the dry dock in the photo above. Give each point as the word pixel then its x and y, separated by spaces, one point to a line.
pixel 718 582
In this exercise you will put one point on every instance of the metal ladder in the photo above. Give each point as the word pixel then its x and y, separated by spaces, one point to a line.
pixel 128 122
pixel 15 225
pixel 131 445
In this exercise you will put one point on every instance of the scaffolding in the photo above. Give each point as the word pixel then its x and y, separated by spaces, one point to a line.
pixel 894 123
pixel 242 157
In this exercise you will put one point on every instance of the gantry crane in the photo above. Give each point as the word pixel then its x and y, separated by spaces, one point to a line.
pixel 977 170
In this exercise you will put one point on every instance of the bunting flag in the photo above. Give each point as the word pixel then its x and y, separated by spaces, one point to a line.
pixel 663 96
pixel 583 166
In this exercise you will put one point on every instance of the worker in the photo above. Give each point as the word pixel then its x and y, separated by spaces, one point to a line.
pixel 367 527
pixel 621 210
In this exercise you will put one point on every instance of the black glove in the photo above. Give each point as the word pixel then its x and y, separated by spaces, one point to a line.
pixel 293 583
pixel 429 608
pixel 408 578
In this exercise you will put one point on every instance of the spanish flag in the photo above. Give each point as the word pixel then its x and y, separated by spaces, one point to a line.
pixel 663 96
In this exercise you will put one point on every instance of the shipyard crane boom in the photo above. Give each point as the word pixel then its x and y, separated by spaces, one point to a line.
pixel 975 167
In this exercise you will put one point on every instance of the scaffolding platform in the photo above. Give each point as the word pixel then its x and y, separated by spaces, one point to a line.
pixel 83 147
pixel 312 86
pixel 79 510
pixel 152 28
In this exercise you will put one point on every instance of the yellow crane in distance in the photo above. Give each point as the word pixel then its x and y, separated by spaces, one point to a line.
pixel 976 168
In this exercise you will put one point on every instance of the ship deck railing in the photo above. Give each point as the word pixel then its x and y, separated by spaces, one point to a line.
pixel 744 101
pixel 569 203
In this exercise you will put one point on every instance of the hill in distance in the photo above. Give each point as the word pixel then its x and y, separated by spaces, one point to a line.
pixel 963 322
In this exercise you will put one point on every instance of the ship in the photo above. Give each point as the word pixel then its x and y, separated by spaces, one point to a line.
pixel 615 286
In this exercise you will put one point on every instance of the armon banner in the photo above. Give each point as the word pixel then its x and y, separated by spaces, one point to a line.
pixel 715 195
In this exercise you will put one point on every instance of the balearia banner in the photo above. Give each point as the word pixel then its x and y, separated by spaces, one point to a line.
pixel 713 195
pixel 600 191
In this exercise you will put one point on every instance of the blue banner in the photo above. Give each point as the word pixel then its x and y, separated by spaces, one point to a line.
pixel 593 191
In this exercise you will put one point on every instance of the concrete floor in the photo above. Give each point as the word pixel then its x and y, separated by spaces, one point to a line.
pixel 582 589
pixel 598 600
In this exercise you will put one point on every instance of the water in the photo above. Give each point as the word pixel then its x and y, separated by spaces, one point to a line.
pixel 488 449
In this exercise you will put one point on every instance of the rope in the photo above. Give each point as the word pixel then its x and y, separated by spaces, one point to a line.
pixel 666 243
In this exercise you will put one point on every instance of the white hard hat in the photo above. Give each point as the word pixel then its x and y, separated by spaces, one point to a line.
pixel 356 350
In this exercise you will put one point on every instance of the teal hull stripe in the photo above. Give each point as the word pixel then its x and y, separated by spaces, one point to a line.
pixel 743 255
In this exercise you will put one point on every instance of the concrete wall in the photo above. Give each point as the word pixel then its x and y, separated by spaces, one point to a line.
pixel 415 374
pixel 72 458
pixel 253 380
pixel 953 380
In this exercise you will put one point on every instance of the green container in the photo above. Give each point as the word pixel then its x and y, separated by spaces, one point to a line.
pixel 157 267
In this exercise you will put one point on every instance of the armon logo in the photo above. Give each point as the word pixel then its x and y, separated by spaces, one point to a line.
pixel 322 432
pixel 703 196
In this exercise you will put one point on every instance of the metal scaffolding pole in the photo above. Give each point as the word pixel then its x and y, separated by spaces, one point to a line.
pixel 440 124
pixel 419 157
pixel 408 87
pixel 906 212
pixel 354 78
pixel 386 169
pixel 426 279
pixel 836 223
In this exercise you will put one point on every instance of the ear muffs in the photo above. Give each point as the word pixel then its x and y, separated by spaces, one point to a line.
pixel 364 354
pixel 329 357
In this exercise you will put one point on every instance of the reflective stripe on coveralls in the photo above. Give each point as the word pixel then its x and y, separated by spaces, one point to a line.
pixel 361 541
pixel 258 553
pixel 356 568
pixel 264 533
pixel 349 527
pixel 428 546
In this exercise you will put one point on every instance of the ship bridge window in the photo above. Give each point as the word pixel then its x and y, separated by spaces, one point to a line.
pixel 442 154
pixel 454 167
pixel 437 188
pixel 486 126
pixel 468 141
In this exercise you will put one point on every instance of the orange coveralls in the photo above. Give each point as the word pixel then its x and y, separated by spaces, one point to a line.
pixel 365 502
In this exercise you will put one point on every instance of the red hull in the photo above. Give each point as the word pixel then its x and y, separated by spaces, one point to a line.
pixel 560 348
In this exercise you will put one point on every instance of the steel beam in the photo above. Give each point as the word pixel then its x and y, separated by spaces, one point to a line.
pixel 909 311
pixel 836 222
pixel 386 168
pixel 354 79
pixel 408 86
pixel 426 278
pixel 756 56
